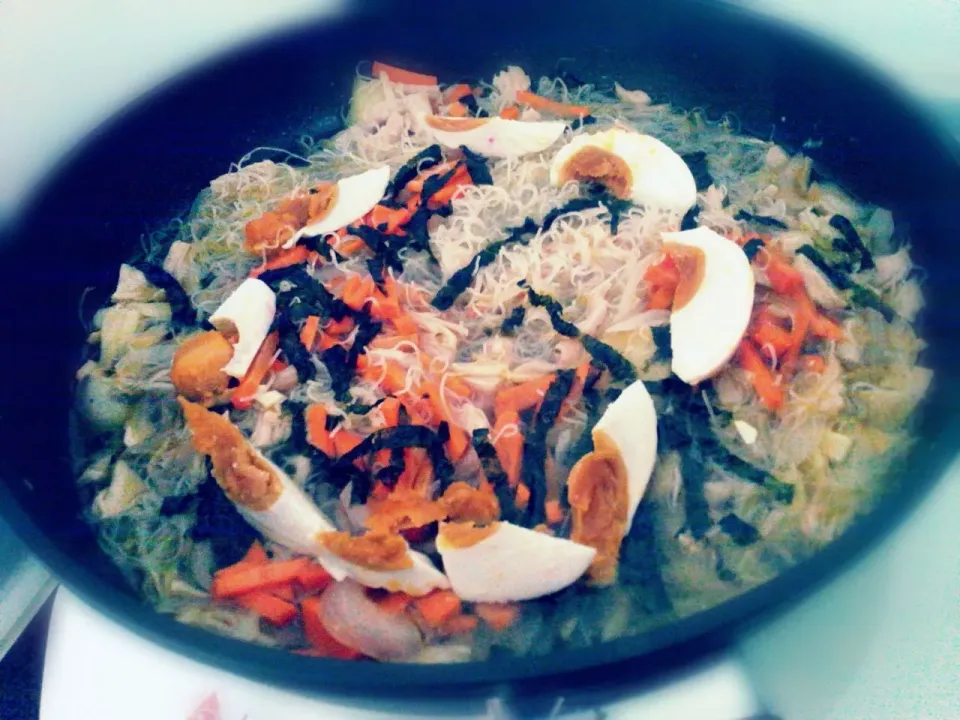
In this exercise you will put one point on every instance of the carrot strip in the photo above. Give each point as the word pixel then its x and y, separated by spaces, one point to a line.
pixel 395 603
pixel 399 75
pixel 523 396
pixel 256 555
pixel 438 607
pixel 285 258
pixel 824 327
pixel 240 580
pixel 459 625
pixel 457 110
pixel 350 245
pixel 243 394
pixel 322 641
pixel 456 92
pixel 538 102
pixel 308 333
pixel 284 592
pixel 317 433
pixel 458 443
pixel 774 336
pixel 449 191
pixel 554 512
pixel 511 112
pixel 416 185
pixel 499 616
pixel 313 578
pixel 270 608
pixel 387 218
pixel 339 327
pixel 345 441
pixel 783 277
pixel 763 379
pixel 509 447
pixel 390 410
pixel 405 325
pixel 522 496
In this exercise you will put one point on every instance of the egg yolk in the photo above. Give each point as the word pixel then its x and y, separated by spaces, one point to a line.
pixel 597 492
pixel 594 164
pixel 454 124
pixel 373 551
pixel 245 477
pixel 321 201
pixel 197 369
pixel 466 534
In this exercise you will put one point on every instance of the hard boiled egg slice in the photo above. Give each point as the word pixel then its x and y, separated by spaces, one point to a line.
pixel 712 305
pixel 352 198
pixel 630 424
pixel 420 578
pixel 632 167
pixel 280 510
pixel 503 562
pixel 494 137
pixel 244 319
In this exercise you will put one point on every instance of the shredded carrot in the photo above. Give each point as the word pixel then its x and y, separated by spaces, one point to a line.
pixel 313 578
pixel 413 202
pixel 457 109
pixel 350 245
pixel 308 333
pixel 499 616
pixel 416 185
pixel 324 644
pixel 538 102
pixel 399 75
pixel 522 496
pixel 256 555
pixel 764 381
pixel 769 334
pixel 339 327
pixel 405 325
pixel 523 396
pixel 285 258
pixel 395 603
pixel 240 580
pixel 458 443
pixel 344 441
pixel 284 592
pixel 783 277
pixel 388 219
pixel 438 607
pixel 357 291
pixel 390 410
pixel 509 447
pixel 511 112
pixel 243 394
pixel 459 625
pixel 451 190
pixel 824 327
pixel 272 609
pixel 317 433
pixel 456 92
pixel 554 512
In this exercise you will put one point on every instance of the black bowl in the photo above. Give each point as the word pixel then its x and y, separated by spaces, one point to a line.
pixel 147 165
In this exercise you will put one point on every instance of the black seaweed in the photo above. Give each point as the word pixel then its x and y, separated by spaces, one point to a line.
pixel 219 522
pixel 853 240
pixel 332 421
pixel 554 310
pixel 470 103
pixel 752 247
pixel 534 470
pixel 434 184
pixel 386 248
pixel 177 504
pixel 513 321
pixel 356 408
pixel 741 532
pixel 594 404
pixel 689 221
pixel 426 158
pixel 640 561
pixel 336 360
pixel 476 166
pixel 865 297
pixel 582 122
pixel 697 162
pixel 662 339
pixel 695 504
pixel 293 350
pixel 181 309
pixel 495 475
pixel 306 296
pixel 743 215
pixel 461 279
pixel 375 268
pixel 620 368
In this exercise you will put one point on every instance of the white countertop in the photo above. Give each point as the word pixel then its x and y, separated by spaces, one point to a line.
pixel 882 642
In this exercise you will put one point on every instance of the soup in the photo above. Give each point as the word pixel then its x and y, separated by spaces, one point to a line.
pixel 499 368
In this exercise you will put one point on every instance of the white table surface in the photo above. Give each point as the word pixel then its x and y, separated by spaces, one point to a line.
pixel 882 642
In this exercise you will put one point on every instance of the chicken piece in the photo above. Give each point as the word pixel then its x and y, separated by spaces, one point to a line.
pixel 373 551
pixel 464 503
pixel 197 369
pixel 243 474
pixel 597 491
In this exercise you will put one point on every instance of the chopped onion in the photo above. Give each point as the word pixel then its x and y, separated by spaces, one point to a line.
pixel 357 622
